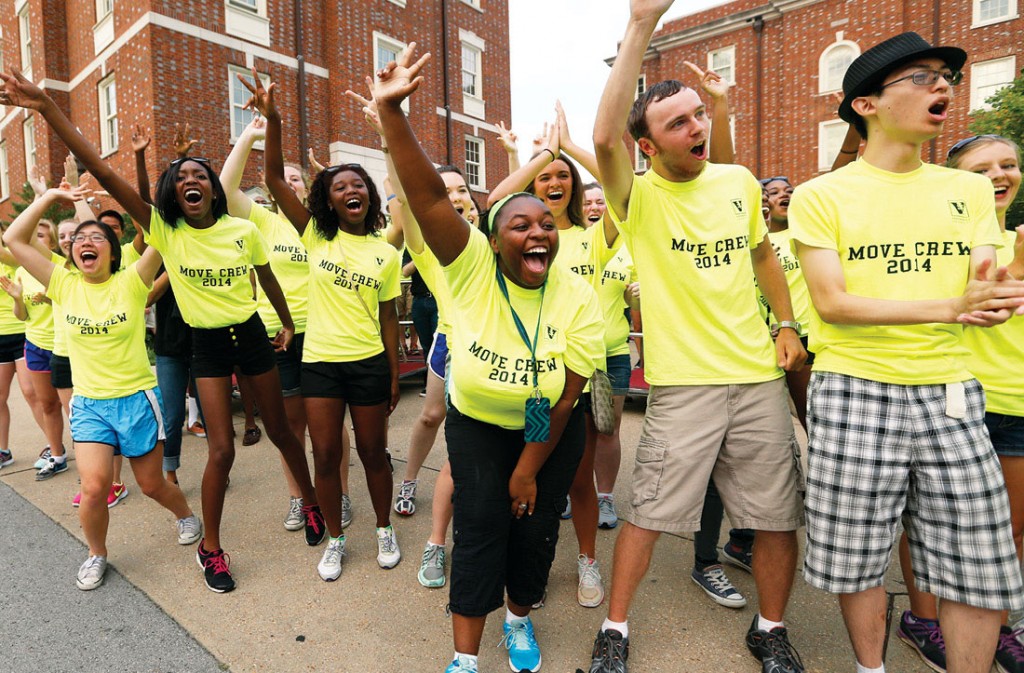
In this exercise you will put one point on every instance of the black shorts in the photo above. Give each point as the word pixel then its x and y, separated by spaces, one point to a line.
pixel 361 383
pixel 494 551
pixel 60 372
pixel 217 351
pixel 289 367
pixel 12 347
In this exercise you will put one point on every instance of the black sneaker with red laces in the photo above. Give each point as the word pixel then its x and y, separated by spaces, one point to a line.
pixel 316 529
pixel 215 568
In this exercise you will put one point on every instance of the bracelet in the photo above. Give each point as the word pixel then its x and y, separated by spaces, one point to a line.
pixel 791 324
pixel 392 196
pixel 553 157
pixel 842 151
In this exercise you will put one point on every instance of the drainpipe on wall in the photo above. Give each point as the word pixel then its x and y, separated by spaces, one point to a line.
pixel 759 32
pixel 446 84
pixel 301 88
pixel 933 149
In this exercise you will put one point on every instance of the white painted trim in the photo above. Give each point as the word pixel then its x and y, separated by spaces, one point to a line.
pixel 823 62
pixel 54 85
pixel 469 121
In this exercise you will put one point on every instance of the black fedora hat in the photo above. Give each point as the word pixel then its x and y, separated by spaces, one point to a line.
pixel 866 73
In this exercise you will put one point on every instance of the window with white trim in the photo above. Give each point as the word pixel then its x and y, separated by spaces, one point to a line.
pixel 103 7
pixel 473 48
pixel 25 37
pixel 28 130
pixel 251 5
pixel 472 3
pixel 5 179
pixel 985 12
pixel 107 90
pixel 723 62
pixel 830 141
pixel 240 117
pixel 248 20
pixel 470 70
pixel 476 164
pixel 640 160
pixel 833 63
pixel 385 50
pixel 988 77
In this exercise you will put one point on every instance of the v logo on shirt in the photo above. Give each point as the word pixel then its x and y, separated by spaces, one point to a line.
pixel 240 244
pixel 958 209
pixel 738 205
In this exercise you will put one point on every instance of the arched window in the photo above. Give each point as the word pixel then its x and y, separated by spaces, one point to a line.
pixel 833 63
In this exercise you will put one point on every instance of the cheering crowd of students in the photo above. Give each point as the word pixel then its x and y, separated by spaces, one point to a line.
pixel 882 299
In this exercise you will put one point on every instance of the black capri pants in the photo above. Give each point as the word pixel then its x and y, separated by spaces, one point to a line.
pixel 493 550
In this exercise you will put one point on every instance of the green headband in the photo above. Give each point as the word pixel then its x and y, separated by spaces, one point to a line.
pixel 492 214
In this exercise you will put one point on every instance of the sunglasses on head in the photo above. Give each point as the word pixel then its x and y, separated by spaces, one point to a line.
pixel 764 181
pixel 965 143
pixel 200 160
pixel 331 170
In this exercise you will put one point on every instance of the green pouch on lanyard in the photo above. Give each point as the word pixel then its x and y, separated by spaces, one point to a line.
pixel 537 414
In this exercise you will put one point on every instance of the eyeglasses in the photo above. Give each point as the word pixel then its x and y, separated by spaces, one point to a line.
pixel 927 77
pixel 82 238
pixel 965 143
pixel 764 181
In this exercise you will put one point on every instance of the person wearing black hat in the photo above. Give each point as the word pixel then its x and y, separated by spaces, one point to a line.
pixel 898 256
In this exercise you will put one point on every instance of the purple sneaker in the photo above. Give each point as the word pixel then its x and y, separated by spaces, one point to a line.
pixel 925 637
pixel 1010 651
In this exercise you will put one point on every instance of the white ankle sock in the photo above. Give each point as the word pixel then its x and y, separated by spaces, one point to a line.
pixel 621 627
pixel 513 617
pixel 610 496
pixel 471 657
pixel 193 411
pixel 766 624
pixel 861 668
pixel 59 459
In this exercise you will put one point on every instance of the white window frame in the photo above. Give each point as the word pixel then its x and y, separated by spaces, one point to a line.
pixel 25 40
pixel 475 4
pixel 5 178
pixel 730 51
pixel 826 154
pixel 109 137
pixel 977 97
pixel 247 21
pixel 400 3
pixel 257 7
pixel 977 21
pixel 236 108
pixel 390 43
pixel 481 164
pixel 641 162
pixel 824 85
pixel 28 130
pixel 103 8
pixel 473 104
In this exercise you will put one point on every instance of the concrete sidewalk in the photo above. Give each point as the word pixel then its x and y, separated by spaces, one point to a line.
pixel 283 618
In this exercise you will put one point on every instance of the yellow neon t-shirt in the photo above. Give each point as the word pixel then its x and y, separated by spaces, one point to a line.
pixel 339 328
pixel 997 354
pixel 614 276
pixel 691 244
pixel 290 263
pixel 577 250
pixel 209 268
pixel 901 236
pixel 433 275
pixel 799 297
pixel 129 255
pixel 106 330
pixel 491 366
pixel 39 325
pixel 9 323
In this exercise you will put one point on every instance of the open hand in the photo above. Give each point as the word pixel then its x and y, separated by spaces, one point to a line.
pixel 990 298
pixel 256 129
pixel 369 107
pixel 710 82
pixel 10 287
pixel 648 9
pixel 262 100
pixel 71 170
pixel 20 92
pixel 315 165
pixel 182 143
pixel 140 139
pixel 508 138
pixel 399 79
pixel 36 179
pixel 563 125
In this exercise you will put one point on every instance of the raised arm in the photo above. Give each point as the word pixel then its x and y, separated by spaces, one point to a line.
pixel 508 143
pixel 720 151
pixel 612 112
pixel 239 205
pixel 140 141
pixel 851 141
pixel 517 181
pixel 443 229
pixel 148 266
pixel 273 155
pixel 20 235
pixel 20 92
pixel 582 156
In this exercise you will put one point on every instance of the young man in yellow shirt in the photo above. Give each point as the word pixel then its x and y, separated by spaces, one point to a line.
pixel 717 406
pixel 898 255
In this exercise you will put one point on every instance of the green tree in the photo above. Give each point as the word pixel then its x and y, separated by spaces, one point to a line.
pixel 1006 118
pixel 55 213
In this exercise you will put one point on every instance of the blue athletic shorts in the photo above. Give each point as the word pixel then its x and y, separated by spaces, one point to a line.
pixel 37 359
pixel 131 424
pixel 1007 433
pixel 438 354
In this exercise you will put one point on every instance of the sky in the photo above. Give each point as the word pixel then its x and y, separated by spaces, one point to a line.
pixel 557 50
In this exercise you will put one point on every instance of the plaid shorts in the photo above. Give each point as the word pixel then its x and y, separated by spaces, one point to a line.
pixel 879 451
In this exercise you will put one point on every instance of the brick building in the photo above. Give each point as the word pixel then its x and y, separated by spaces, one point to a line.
pixel 112 64
pixel 787 58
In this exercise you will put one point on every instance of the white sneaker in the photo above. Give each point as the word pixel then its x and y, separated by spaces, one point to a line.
pixel 606 515
pixel 330 565
pixel 44 458
pixel 590 592
pixel 295 520
pixel 190 529
pixel 90 574
pixel 388 554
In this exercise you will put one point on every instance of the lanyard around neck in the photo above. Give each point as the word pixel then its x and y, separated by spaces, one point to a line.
pixel 532 345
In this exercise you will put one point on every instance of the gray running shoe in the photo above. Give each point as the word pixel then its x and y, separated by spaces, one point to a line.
pixel 611 651
pixel 346 510
pixel 431 573
pixel 51 469
pixel 90 574
pixel 295 519
pixel 190 529
pixel 606 516
pixel 405 501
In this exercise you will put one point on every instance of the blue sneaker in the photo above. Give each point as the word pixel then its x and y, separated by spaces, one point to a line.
pixel 461 665
pixel 523 650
